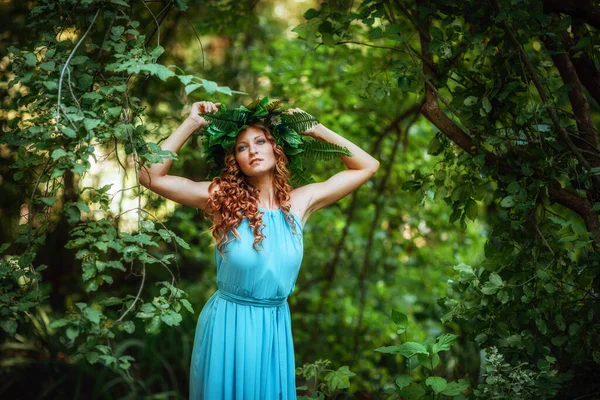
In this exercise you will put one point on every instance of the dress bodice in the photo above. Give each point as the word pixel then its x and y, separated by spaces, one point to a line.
pixel 269 273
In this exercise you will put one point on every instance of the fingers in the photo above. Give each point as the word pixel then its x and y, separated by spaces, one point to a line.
pixel 206 106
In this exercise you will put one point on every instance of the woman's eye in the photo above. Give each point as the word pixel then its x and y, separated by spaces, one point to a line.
pixel 261 141
pixel 241 148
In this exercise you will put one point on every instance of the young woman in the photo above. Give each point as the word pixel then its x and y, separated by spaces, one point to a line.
pixel 243 344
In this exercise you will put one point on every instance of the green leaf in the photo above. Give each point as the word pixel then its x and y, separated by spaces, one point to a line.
pixel 171 318
pixel 495 279
pixel 129 326
pixel 59 323
pixel 455 388
pixel 403 381
pixel 209 86
pixel 190 88
pixel 471 209
pixel 58 153
pixel 92 357
pixel 444 342
pixel 324 151
pixel 400 319
pixel 49 201
pixel 339 379
pixel 48 65
pixel 120 2
pixel 30 59
pixel 311 13
pixel 9 326
pixel 436 383
pixel 92 315
pixel 407 349
pixel 508 202
pixel 487 106
pixel 187 305
pixel 435 146
pixel 412 392
pixel 153 327
pixel 72 332
pixel 469 101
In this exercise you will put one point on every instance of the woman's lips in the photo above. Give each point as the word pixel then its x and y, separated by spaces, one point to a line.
pixel 255 161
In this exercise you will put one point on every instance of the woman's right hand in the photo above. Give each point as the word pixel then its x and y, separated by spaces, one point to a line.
pixel 202 107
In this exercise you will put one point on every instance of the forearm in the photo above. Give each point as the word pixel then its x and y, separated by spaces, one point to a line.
pixel 360 159
pixel 173 143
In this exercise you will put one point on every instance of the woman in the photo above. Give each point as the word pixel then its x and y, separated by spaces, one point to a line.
pixel 243 344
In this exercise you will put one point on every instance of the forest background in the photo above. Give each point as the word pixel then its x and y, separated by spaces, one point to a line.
pixel 466 268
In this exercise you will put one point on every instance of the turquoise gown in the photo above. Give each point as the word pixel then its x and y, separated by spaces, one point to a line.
pixel 243 347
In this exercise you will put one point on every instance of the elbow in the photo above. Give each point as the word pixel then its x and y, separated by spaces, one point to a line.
pixel 144 180
pixel 373 167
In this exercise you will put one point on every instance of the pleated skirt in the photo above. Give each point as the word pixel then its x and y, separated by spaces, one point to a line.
pixel 243 350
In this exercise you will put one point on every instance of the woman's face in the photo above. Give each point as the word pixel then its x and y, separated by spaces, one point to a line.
pixel 254 153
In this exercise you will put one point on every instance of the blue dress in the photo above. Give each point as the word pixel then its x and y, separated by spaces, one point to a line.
pixel 243 347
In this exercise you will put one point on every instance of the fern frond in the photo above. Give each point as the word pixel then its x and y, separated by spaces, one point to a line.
pixel 324 151
pixel 299 121
pixel 299 176
pixel 228 120
pixel 273 105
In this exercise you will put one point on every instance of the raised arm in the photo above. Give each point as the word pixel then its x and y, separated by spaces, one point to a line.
pixel 361 167
pixel 179 189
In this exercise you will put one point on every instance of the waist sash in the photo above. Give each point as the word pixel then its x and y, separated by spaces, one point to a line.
pixel 248 301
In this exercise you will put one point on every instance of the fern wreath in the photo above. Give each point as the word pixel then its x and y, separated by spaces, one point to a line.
pixel 224 125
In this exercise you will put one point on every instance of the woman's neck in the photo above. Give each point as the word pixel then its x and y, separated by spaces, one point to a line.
pixel 267 197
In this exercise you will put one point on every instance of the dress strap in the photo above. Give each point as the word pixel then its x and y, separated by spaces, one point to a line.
pixel 249 301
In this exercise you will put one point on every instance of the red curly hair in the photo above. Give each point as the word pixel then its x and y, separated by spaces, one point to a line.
pixel 234 198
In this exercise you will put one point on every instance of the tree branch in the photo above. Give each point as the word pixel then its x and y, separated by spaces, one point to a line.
pixel 545 98
pixel 586 70
pixel 582 9
pixel 579 102
pixel 431 108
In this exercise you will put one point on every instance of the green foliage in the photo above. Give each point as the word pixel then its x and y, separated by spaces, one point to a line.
pixel 504 381
pixel 317 150
pixel 420 357
pixel 74 97
pixel 321 381
pixel 512 150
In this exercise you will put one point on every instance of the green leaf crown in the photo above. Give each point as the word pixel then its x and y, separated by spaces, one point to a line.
pixel 224 125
